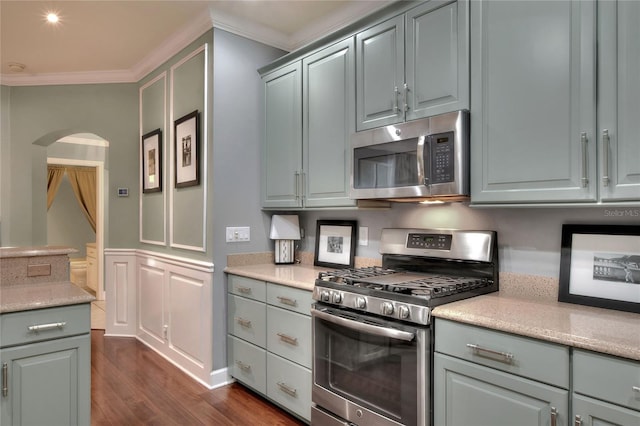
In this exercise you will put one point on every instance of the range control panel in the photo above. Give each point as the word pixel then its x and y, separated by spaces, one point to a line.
pixel 429 241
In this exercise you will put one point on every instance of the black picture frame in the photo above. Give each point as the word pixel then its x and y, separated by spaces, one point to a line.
pixel 187 150
pixel 335 243
pixel 151 156
pixel 600 266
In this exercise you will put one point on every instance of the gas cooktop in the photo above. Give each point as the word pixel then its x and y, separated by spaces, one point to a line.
pixel 420 269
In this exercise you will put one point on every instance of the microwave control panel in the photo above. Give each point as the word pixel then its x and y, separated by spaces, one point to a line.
pixel 441 157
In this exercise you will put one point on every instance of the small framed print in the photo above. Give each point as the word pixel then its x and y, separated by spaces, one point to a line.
pixel 335 243
pixel 187 143
pixel 600 266
pixel 152 162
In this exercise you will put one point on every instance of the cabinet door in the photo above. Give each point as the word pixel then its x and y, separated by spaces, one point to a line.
pixel 49 383
pixel 593 412
pixel 471 394
pixel 283 138
pixel 328 105
pixel 380 74
pixel 437 49
pixel 533 101
pixel 619 97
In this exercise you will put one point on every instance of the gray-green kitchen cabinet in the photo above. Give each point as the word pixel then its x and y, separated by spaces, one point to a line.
pixel 269 341
pixel 283 137
pixel 554 122
pixel 619 100
pixel 46 367
pixel 606 390
pixel 309 121
pixel 488 378
pixel 414 65
pixel 533 109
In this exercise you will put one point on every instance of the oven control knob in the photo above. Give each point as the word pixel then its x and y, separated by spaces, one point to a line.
pixel 403 312
pixel 336 297
pixel 324 295
pixel 360 303
pixel 386 308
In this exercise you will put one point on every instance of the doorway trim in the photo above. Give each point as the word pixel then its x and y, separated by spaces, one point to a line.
pixel 100 203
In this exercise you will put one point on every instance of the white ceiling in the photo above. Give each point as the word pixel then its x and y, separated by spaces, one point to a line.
pixel 121 41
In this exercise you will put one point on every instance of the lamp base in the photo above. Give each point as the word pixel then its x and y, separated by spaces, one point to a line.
pixel 284 252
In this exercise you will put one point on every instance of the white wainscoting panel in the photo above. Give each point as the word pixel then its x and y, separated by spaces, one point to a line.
pixel 166 302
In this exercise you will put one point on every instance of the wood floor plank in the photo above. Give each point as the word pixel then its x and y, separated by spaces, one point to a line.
pixel 132 385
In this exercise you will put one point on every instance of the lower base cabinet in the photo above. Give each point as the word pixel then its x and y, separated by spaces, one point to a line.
pixel 269 341
pixel 46 376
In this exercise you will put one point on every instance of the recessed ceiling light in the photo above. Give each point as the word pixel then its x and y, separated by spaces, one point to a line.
pixel 52 17
pixel 16 67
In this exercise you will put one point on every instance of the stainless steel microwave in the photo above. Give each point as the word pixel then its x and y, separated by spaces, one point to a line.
pixel 421 159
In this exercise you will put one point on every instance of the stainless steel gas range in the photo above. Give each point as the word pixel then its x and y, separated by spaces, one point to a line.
pixel 373 344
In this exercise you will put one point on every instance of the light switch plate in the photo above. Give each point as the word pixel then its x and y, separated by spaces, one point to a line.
pixel 363 236
pixel 237 234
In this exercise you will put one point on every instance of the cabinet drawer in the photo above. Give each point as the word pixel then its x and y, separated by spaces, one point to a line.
pixel 44 324
pixel 289 335
pixel 289 385
pixel 291 298
pixel 538 360
pixel 247 319
pixel 247 363
pixel 247 287
pixel 608 378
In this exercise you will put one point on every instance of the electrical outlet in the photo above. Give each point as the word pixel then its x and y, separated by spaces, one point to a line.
pixel 237 234
pixel 363 236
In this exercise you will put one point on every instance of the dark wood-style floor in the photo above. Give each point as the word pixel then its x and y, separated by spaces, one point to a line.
pixel 132 385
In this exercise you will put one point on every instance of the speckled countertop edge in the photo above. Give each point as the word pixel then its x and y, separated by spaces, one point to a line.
pixel 6 252
pixel 595 329
pixel 39 296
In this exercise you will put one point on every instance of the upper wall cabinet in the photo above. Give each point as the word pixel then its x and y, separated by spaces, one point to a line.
pixel 619 100
pixel 283 137
pixel 414 65
pixel 309 120
pixel 537 133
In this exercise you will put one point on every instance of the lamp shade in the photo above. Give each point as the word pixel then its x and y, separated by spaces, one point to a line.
pixel 285 227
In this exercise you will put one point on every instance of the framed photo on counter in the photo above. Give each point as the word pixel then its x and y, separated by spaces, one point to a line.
pixel 152 162
pixel 186 150
pixel 335 243
pixel 600 266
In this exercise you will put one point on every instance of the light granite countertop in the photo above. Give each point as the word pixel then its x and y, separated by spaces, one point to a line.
pixel 38 296
pixel 32 251
pixel 601 330
pixel 298 275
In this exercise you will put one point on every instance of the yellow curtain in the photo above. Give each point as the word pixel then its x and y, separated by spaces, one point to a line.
pixel 83 182
pixel 56 173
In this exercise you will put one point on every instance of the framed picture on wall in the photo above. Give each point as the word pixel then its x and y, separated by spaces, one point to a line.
pixel 335 243
pixel 187 131
pixel 152 162
pixel 600 266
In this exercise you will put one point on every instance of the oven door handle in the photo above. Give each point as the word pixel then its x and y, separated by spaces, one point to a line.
pixel 364 327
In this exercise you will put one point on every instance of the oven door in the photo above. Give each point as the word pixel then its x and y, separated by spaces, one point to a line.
pixel 370 371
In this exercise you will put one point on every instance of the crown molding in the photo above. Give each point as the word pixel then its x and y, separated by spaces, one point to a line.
pixel 193 30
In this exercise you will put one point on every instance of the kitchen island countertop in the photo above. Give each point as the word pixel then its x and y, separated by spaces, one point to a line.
pixel 596 329
pixel 26 297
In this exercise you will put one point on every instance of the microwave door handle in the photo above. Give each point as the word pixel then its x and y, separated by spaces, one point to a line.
pixel 364 327
pixel 422 178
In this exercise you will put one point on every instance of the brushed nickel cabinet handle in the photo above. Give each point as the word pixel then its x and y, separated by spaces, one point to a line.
pixel 635 388
pixel 406 97
pixel 288 339
pixel 396 92
pixel 584 141
pixel 244 367
pixel 243 322
pixel 577 420
pixel 288 389
pixel 554 416
pixel 606 142
pixel 5 379
pixel 505 357
pixel 287 301
pixel 46 327
pixel 244 290
pixel 296 179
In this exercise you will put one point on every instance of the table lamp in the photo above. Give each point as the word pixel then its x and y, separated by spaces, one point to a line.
pixel 285 229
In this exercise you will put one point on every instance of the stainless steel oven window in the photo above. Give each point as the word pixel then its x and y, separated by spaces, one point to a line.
pixel 385 375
